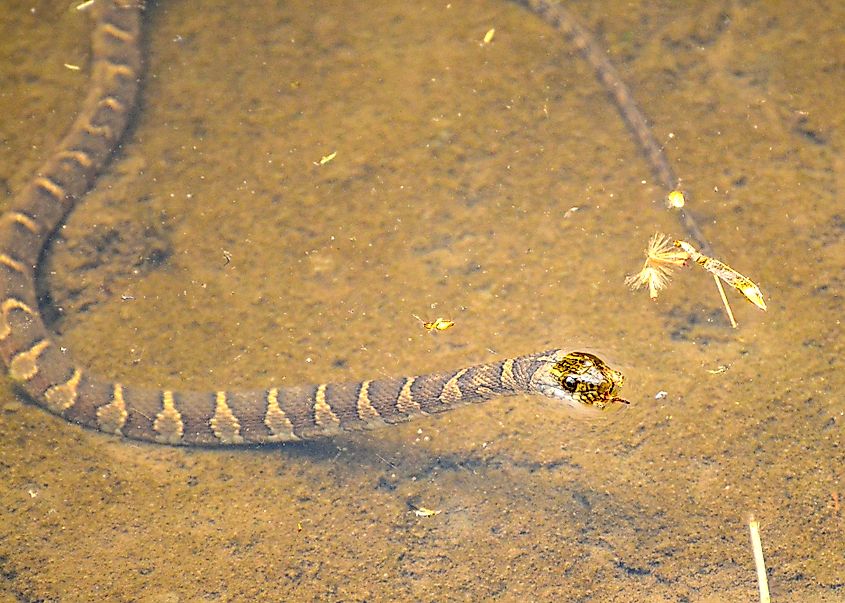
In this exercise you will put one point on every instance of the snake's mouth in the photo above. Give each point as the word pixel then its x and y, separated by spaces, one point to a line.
pixel 612 401
pixel 615 403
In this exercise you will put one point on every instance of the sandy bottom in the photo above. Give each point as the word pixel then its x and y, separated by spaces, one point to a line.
pixel 214 253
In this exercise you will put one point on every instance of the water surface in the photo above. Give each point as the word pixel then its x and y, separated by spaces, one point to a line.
pixel 215 253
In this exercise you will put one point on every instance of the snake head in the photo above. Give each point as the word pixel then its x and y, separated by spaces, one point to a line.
pixel 581 379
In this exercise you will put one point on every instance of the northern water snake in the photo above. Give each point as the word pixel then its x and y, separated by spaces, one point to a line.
pixel 51 378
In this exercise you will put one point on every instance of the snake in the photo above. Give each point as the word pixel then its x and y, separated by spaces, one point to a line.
pixel 48 376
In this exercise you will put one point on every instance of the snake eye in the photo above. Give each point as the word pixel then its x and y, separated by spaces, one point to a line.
pixel 570 383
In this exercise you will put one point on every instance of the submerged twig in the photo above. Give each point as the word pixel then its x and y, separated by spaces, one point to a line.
pixel 759 562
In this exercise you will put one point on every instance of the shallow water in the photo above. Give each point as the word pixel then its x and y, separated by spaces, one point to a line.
pixel 215 253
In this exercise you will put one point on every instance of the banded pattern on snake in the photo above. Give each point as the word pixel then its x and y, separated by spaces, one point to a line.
pixel 50 377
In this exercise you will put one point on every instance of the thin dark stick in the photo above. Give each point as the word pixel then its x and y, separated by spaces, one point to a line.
pixel 583 41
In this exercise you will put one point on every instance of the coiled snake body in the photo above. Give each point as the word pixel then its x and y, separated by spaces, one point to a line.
pixel 52 380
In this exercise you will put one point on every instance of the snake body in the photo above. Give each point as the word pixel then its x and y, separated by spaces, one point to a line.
pixel 51 378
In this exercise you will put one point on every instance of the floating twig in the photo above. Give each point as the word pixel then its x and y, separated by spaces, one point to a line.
pixel 326 158
pixel 741 283
pixel 423 511
pixel 438 324
pixel 664 255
